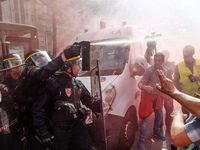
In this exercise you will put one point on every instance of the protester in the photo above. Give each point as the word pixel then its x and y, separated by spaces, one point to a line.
pixel 182 134
pixel 150 52
pixel 138 68
pixel 168 101
pixel 187 73
pixel 151 99
pixel 170 65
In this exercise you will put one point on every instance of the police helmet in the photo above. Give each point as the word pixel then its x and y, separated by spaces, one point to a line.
pixel 72 51
pixel 140 60
pixel 69 63
pixel 13 64
pixel 37 58
pixel 72 54
pixel 11 60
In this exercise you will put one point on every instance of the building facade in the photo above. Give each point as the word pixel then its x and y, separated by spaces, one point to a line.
pixel 17 34
pixel 33 24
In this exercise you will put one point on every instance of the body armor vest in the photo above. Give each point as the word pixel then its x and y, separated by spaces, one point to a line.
pixel 67 107
pixel 11 126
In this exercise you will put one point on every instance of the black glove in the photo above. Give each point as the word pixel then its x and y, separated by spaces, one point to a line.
pixel 72 51
pixel 47 140
pixel 82 113
pixel 95 105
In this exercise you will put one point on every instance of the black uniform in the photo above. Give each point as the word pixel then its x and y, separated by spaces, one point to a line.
pixel 68 112
pixel 61 103
pixel 35 82
pixel 31 84
pixel 44 91
pixel 11 127
pixel 45 105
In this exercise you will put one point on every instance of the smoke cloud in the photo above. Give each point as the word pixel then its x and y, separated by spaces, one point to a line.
pixel 178 21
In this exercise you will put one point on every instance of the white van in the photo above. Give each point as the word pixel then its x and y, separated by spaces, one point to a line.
pixel 116 48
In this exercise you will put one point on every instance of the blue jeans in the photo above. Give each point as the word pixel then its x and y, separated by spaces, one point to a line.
pixel 157 121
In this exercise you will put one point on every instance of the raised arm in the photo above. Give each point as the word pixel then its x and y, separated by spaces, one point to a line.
pixel 190 103
pixel 178 134
pixel 48 70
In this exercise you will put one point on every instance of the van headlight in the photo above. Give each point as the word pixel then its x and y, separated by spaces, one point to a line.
pixel 108 96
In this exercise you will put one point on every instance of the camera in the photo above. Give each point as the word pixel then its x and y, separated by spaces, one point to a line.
pixel 151 40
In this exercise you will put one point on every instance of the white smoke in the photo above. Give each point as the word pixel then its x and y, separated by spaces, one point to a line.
pixel 177 20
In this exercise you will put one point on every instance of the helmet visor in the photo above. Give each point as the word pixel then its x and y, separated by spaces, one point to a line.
pixel 15 66
pixel 12 63
pixel 77 66
pixel 41 58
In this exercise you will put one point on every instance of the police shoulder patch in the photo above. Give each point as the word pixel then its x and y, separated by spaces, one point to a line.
pixel 68 91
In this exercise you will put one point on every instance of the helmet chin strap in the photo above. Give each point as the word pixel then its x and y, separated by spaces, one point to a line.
pixel 69 65
pixel 70 72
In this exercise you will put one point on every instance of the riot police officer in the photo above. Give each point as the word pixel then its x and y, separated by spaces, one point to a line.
pixel 11 126
pixel 22 85
pixel 43 103
pixel 11 129
pixel 16 79
pixel 66 116
pixel 37 79
pixel 37 90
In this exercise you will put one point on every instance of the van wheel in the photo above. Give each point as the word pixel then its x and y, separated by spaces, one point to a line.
pixel 128 129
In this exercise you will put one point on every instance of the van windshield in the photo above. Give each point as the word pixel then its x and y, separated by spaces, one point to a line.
pixel 112 58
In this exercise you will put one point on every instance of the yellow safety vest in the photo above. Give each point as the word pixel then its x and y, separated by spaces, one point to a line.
pixel 184 80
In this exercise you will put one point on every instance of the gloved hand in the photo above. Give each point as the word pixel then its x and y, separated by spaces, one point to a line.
pixel 95 105
pixel 72 51
pixel 83 113
pixel 47 140
pixel 72 108
pixel 60 103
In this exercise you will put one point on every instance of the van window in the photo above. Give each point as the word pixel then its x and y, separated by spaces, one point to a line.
pixel 112 58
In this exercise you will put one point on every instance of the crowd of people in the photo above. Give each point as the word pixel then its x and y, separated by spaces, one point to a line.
pixel 40 110
pixel 162 82
pixel 40 99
